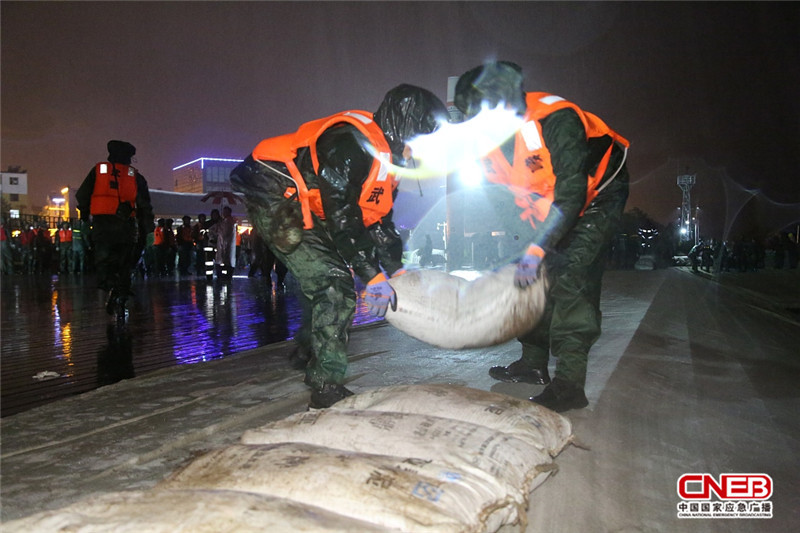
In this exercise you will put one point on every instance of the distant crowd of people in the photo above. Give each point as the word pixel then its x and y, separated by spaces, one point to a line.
pixel 206 246
pixel 779 251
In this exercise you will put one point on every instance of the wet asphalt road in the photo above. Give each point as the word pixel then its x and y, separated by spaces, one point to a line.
pixel 57 340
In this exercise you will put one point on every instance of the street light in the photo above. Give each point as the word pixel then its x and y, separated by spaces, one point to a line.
pixel 65 192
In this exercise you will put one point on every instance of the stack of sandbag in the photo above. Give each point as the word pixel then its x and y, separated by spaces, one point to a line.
pixel 188 511
pixel 451 312
pixel 416 458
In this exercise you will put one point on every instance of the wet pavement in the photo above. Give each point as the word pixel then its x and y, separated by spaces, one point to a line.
pixel 691 375
pixel 57 340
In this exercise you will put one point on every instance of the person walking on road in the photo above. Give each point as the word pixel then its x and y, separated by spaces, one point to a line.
pixel 322 200
pixel 567 168
pixel 116 197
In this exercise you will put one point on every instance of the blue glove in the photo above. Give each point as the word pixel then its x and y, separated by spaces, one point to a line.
pixel 528 267
pixel 379 295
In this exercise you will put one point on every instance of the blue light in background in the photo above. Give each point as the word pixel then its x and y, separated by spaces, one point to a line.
pixel 204 159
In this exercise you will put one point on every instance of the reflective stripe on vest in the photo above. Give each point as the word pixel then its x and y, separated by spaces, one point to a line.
pixel 531 177
pixel 377 191
pixel 114 184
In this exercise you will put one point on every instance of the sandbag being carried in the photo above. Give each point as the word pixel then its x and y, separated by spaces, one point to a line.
pixel 188 511
pixel 515 465
pixel 528 421
pixel 408 494
pixel 450 312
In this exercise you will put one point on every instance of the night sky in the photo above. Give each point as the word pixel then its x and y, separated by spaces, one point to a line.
pixel 709 86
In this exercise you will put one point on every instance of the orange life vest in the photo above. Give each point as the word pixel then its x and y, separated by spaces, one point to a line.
pixel 114 184
pixel 158 236
pixel 377 191
pixel 65 235
pixel 531 177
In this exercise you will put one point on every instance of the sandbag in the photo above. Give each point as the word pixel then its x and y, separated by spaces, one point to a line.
pixel 404 493
pixel 528 421
pixel 450 312
pixel 514 464
pixel 188 511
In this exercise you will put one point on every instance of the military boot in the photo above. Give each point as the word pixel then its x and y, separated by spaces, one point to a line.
pixel 328 395
pixel 520 372
pixel 561 395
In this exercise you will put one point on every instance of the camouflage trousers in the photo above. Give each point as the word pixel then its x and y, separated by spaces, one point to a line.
pixel 328 291
pixel 570 324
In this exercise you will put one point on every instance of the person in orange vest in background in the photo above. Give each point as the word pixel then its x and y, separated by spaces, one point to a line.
pixel 322 200
pixel 565 172
pixel 160 245
pixel 116 197
pixel 64 248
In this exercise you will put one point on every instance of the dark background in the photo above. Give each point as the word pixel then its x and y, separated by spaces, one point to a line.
pixel 711 88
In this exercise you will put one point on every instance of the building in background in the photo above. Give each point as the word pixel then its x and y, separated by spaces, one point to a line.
pixel 14 189
pixel 205 174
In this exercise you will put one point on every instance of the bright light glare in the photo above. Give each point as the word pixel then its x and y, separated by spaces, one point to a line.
pixel 456 146
pixel 470 174
pixel 683 231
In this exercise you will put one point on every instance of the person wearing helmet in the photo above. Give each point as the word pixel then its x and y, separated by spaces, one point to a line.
pixel 565 171
pixel 322 199
pixel 117 199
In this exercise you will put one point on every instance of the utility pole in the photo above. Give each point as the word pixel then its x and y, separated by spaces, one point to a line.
pixel 454 243
pixel 686 182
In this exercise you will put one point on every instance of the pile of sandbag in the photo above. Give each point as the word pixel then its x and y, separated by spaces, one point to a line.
pixel 417 458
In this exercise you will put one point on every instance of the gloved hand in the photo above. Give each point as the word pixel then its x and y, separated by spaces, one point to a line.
pixel 379 295
pixel 528 267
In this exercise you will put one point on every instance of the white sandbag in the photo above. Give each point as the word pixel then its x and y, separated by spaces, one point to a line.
pixel 450 312
pixel 523 419
pixel 188 511
pixel 408 494
pixel 501 458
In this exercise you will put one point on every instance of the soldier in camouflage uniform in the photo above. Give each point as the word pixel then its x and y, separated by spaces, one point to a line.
pixel 571 168
pixel 322 205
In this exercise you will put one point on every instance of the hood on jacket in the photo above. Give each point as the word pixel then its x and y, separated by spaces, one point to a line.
pixel 408 111
pixel 496 83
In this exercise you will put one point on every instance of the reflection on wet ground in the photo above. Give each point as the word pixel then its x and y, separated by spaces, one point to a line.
pixel 57 340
